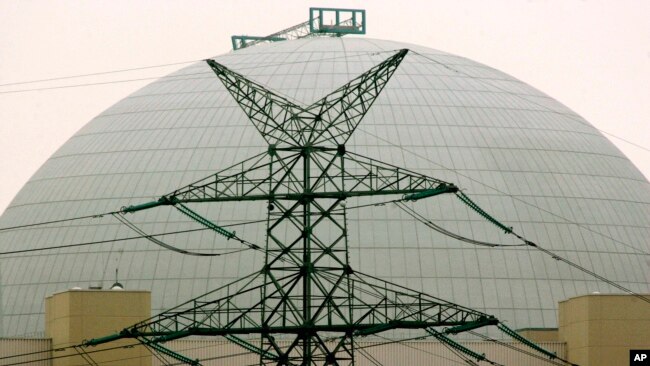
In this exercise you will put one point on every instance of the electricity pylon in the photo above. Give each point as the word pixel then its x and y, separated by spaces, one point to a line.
pixel 306 294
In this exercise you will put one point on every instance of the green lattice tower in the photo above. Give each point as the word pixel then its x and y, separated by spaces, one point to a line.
pixel 306 304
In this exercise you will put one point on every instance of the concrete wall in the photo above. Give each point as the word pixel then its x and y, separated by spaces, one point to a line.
pixel 77 315
pixel 595 330
pixel 540 334
pixel 601 329
pixel 213 352
pixel 35 352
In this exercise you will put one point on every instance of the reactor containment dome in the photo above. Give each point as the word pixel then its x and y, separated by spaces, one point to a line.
pixel 524 157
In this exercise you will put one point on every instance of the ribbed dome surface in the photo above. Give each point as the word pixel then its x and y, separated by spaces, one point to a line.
pixel 530 161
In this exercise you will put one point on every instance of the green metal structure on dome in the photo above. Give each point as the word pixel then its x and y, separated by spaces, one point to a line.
pixel 329 22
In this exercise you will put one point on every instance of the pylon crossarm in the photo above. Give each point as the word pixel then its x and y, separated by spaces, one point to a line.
pixel 384 302
pixel 278 176
pixel 215 316
pixel 366 176
pixel 255 178
pixel 167 322
pixel 376 305
pixel 260 178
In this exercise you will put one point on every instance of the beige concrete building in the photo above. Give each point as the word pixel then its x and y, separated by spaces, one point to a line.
pixel 600 330
pixel 595 330
pixel 77 315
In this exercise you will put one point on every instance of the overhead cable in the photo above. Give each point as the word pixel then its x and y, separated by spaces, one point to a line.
pixel 557 361
pixel 168 64
pixel 50 358
pixel 158 242
pixel 367 354
pixel 57 221
pixel 558 257
pixel 97 73
pixel 402 342
pixel 443 231
pixel 123 239
pixel 582 226
pixel 62 356
pixel 589 272
pixel 175 77
pixel 94 84
pixel 518 95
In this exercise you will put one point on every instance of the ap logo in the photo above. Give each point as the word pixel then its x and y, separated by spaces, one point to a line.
pixel 639 357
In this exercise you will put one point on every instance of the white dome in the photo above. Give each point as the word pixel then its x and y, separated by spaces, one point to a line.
pixel 525 158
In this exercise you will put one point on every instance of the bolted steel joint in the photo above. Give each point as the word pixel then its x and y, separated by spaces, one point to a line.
pixel 340 150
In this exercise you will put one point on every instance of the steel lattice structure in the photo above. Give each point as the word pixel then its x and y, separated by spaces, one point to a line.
pixel 314 27
pixel 306 292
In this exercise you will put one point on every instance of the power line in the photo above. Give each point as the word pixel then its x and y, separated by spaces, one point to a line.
pixel 585 270
pixel 486 82
pixel 414 214
pixel 122 239
pixel 467 360
pixel 93 84
pixel 158 242
pixel 367 354
pixel 156 355
pixel 176 77
pixel 168 64
pixel 62 356
pixel 528 353
pixel 528 242
pixel 61 349
pixel 34 353
pixel 572 264
pixel 85 356
pixel 57 221
pixel 95 242
pixel 217 357
pixel 138 344
pixel 401 343
pixel 97 73
pixel 503 192
pixel 430 224
pixel 145 235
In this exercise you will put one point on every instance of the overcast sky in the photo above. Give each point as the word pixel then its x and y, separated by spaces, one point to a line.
pixel 593 56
